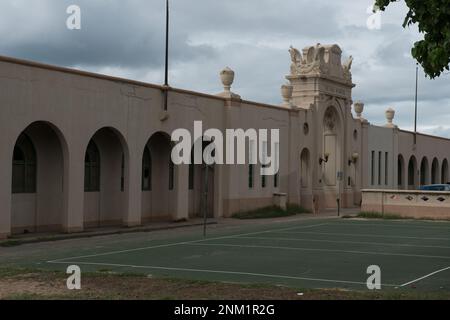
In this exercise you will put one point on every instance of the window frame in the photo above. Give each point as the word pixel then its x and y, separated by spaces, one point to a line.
pixel 147 165
pixel 92 165
pixel 28 183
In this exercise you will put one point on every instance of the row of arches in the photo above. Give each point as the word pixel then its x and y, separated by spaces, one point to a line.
pixel 415 174
pixel 39 162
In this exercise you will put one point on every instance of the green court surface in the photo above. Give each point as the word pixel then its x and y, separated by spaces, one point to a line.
pixel 325 253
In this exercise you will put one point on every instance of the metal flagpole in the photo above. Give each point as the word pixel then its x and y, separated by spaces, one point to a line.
pixel 415 107
pixel 166 71
pixel 205 200
pixel 206 192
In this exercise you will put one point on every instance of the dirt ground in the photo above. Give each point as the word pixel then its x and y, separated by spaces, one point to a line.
pixel 16 285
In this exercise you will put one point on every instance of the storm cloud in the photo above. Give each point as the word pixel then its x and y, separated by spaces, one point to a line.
pixel 126 38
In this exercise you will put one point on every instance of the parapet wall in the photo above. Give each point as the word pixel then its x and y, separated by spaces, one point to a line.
pixel 409 204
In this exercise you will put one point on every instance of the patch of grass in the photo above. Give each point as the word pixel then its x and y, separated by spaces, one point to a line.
pixel 374 215
pixel 390 216
pixel 297 209
pixel 271 212
pixel 7 272
pixel 10 243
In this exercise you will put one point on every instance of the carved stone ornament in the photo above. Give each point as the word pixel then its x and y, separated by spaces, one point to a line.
pixel 347 66
pixel 314 60
pixel 297 61
pixel 320 59
pixel 330 119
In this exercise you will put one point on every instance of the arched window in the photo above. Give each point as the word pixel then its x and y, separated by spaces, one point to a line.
pixel 192 171
pixel 400 169
pixel 276 180
pixel 424 174
pixel 122 174
pixel 435 175
pixel 24 166
pixel 251 175
pixel 264 177
pixel 147 170
pixel 92 169
pixel 171 175
pixel 444 172
pixel 412 173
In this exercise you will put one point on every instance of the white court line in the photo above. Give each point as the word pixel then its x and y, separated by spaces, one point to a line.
pixel 361 235
pixel 221 272
pixel 424 277
pixel 183 243
pixel 348 242
pixel 318 250
pixel 356 224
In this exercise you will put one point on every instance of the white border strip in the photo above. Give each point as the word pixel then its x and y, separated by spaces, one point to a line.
pixel 405 225
pixel 348 242
pixel 361 235
pixel 424 277
pixel 318 250
pixel 184 243
pixel 221 272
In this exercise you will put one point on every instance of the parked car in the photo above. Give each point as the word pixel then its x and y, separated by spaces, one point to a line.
pixel 436 187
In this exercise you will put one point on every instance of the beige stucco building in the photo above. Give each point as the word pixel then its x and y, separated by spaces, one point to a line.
pixel 81 150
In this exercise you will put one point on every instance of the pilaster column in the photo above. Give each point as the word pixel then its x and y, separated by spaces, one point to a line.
pixel 73 220
pixel 133 188
pixel 5 192
pixel 182 188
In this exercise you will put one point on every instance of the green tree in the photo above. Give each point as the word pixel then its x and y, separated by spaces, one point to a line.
pixel 433 19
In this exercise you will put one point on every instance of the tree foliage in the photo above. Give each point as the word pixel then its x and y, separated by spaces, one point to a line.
pixel 433 20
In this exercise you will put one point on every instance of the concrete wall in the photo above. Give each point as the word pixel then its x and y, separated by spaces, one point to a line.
pixel 409 204
pixel 382 159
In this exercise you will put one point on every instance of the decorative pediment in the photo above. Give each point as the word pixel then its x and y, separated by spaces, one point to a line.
pixel 321 59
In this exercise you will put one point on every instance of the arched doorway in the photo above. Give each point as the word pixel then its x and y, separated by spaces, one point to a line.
pixel 424 172
pixel 332 154
pixel 158 179
pixel 412 173
pixel 305 171
pixel 444 173
pixel 201 181
pixel 105 164
pixel 435 174
pixel 305 184
pixel 38 180
pixel 400 172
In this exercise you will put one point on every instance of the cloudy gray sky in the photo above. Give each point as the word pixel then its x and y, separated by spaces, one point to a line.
pixel 126 39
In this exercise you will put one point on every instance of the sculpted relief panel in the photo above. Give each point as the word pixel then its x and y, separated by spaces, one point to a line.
pixel 320 60
pixel 330 120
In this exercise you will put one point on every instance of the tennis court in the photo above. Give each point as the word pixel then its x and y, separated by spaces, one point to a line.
pixel 331 253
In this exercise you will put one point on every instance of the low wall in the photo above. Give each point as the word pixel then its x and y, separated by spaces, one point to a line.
pixel 410 204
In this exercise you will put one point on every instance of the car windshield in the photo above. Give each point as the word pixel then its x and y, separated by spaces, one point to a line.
pixel 434 188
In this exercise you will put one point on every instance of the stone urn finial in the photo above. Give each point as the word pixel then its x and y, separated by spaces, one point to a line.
pixel 227 77
pixel 390 115
pixel 359 109
pixel 286 93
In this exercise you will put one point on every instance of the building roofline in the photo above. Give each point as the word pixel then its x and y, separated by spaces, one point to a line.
pixel 412 133
pixel 425 135
pixel 94 75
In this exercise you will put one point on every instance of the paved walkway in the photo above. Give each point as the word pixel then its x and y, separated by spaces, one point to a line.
pixel 220 222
